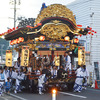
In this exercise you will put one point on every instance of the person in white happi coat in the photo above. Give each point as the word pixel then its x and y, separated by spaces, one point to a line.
pixel 5 70
pixel 17 64
pixel 19 78
pixel 86 75
pixel 67 61
pixel 54 72
pixel 37 71
pixel 9 75
pixel 79 79
pixel 41 81
pixel 3 79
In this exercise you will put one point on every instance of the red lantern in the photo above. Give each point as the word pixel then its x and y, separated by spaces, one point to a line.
pixel 14 28
pixel 8 31
pixel 39 24
pixel 95 32
pixel 80 35
pixel 17 27
pixel 79 25
pixel 66 38
pixel 76 40
pixel 22 39
pixel 78 48
pixel 92 30
pixel 18 41
pixel 92 34
pixel 42 38
pixel 89 32
pixel 11 43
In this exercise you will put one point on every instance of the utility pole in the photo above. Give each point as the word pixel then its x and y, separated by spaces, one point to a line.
pixel 14 13
pixel 91 23
pixel 15 3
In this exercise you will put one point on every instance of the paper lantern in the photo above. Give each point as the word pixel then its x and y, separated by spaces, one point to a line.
pixel 92 30
pixel 42 38
pixel 76 40
pixel 95 32
pixel 92 34
pixel 80 35
pixel 79 25
pixel 14 28
pixel 39 24
pixel 89 32
pixel 66 38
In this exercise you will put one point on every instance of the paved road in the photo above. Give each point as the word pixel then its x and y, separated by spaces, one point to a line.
pixel 7 97
pixel 89 94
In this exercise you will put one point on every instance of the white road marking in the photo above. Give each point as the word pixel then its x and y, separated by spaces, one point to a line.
pixel 4 98
pixel 17 96
pixel 73 95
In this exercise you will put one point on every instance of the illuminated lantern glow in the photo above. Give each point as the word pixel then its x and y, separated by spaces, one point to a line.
pixel 66 38
pixel 81 55
pixel 16 40
pixel 42 38
pixel 76 40
pixel 11 43
pixel 79 25
pixel 20 39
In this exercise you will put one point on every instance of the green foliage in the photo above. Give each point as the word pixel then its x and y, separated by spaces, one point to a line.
pixel 3 46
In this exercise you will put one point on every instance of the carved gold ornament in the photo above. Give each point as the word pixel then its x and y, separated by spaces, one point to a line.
pixel 55 31
pixel 55 10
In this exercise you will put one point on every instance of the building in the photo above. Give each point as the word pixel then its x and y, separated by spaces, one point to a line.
pixel 88 14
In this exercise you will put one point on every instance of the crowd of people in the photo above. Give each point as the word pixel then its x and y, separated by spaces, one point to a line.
pixel 11 78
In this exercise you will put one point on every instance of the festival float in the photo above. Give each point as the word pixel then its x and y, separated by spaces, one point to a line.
pixel 54 32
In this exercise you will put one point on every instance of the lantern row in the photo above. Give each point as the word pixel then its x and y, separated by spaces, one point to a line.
pixel 17 41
